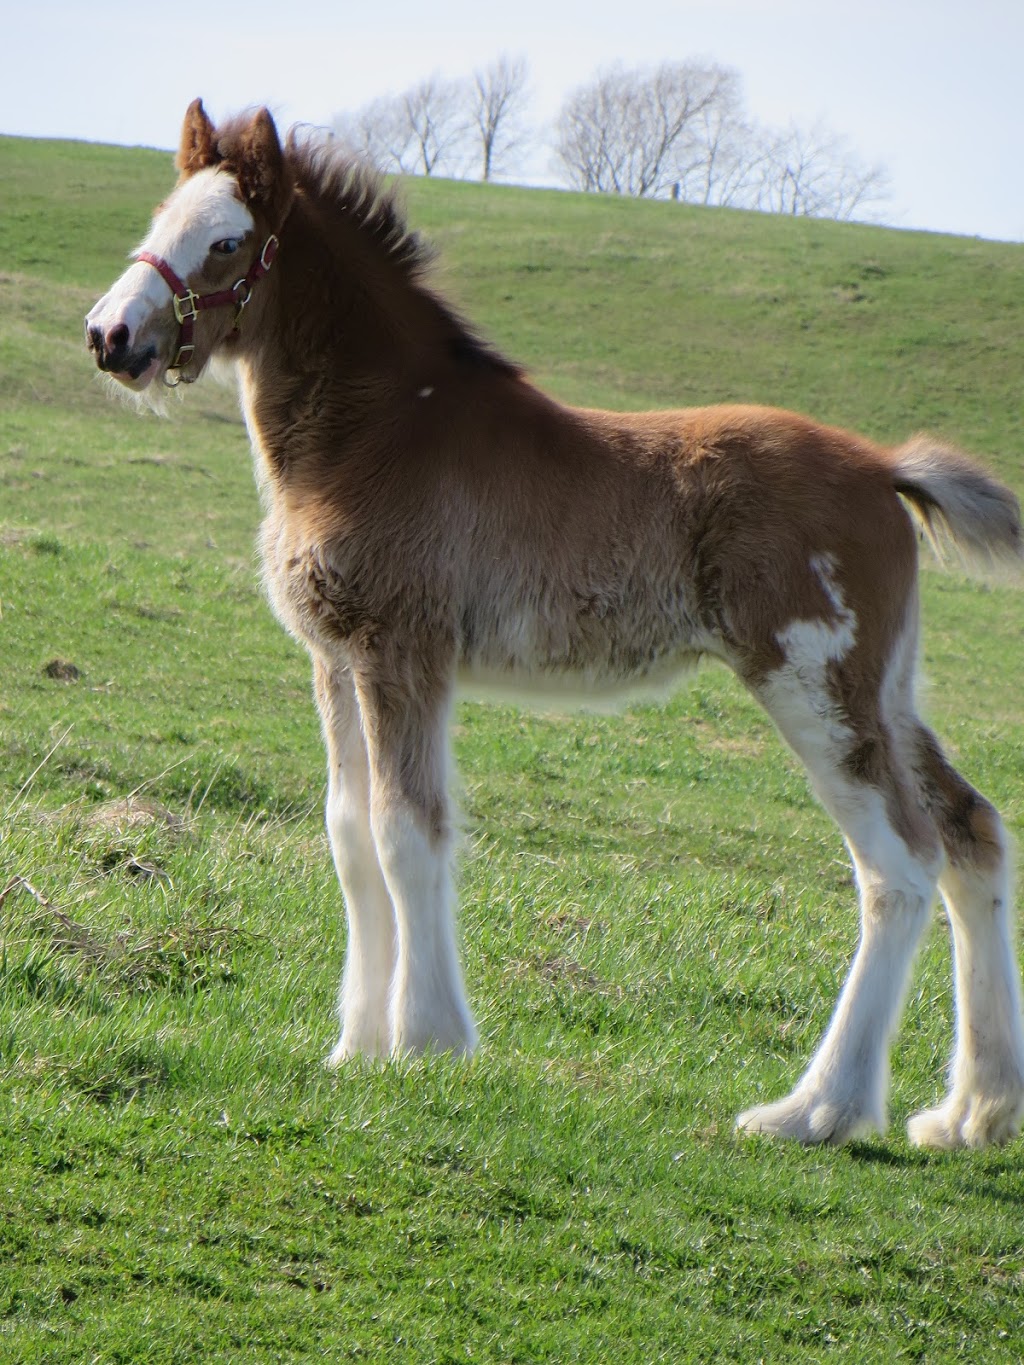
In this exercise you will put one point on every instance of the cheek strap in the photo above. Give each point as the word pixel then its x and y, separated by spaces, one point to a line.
pixel 187 304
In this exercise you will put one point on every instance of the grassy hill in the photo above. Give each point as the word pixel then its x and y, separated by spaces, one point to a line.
pixel 656 914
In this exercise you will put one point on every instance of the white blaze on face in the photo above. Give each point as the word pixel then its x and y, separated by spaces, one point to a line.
pixel 201 211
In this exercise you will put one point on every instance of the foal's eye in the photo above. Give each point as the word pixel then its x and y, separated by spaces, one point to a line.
pixel 227 247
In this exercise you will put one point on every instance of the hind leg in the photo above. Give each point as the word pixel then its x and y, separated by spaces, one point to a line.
pixel 896 855
pixel 842 1094
pixel 985 1103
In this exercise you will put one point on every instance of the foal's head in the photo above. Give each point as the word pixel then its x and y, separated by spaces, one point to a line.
pixel 209 244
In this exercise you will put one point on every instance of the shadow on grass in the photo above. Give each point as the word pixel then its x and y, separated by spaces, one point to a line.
pixel 880 1154
pixel 996 1174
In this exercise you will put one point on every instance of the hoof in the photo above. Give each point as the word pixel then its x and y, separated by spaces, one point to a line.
pixel 968 1121
pixel 435 1027
pixel 353 1045
pixel 809 1119
pixel 458 1042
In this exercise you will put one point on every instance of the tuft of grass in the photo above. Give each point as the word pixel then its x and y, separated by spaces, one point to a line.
pixel 183 956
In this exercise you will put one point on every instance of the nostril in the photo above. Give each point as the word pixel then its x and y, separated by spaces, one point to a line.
pixel 118 336
pixel 94 336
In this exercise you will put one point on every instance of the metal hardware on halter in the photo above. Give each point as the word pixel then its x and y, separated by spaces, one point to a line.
pixel 187 304
pixel 186 307
pixel 186 350
pixel 243 300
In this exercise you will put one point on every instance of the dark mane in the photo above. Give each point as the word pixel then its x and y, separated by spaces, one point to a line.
pixel 328 172
pixel 325 170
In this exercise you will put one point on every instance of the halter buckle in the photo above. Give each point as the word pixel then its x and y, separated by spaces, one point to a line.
pixel 187 304
pixel 186 307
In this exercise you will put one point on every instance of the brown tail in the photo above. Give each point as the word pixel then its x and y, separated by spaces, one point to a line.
pixel 958 504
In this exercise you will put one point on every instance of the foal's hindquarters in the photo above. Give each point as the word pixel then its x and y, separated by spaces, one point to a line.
pixel 959 846
pixel 912 824
pixel 841 690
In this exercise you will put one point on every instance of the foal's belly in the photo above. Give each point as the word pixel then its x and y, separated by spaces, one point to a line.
pixel 524 641
pixel 562 689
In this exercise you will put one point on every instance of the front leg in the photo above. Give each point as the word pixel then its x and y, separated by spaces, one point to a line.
pixel 370 952
pixel 405 705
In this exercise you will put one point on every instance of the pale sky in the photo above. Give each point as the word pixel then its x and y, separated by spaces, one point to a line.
pixel 934 89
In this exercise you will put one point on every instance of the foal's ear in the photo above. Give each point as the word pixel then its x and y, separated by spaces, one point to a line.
pixel 259 161
pixel 198 147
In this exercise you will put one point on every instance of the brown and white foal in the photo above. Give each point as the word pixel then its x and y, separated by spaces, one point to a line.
pixel 431 518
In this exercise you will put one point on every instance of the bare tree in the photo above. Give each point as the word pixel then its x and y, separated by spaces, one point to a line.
pixel 724 150
pixel 379 132
pixel 434 110
pixel 815 173
pixel 639 132
pixel 420 131
pixel 677 130
pixel 498 99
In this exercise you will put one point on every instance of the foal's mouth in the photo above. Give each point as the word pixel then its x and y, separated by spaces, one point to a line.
pixel 136 370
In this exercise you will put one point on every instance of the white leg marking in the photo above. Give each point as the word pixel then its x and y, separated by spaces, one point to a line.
pixel 428 1004
pixel 370 951
pixel 986 1098
pixel 842 1094
pixel 370 948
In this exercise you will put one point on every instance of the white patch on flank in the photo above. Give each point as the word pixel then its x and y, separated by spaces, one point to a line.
pixel 425 393
pixel 812 644
pixel 797 694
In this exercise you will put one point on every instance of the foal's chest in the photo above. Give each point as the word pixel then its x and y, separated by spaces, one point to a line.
pixel 312 594
pixel 309 591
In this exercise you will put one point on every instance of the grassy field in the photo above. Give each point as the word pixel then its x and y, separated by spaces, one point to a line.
pixel 656 915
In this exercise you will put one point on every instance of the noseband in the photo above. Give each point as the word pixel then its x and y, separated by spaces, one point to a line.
pixel 187 305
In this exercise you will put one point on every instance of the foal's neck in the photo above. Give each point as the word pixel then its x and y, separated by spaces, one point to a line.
pixel 330 353
pixel 344 347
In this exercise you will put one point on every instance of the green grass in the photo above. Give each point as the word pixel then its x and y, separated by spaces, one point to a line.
pixel 656 915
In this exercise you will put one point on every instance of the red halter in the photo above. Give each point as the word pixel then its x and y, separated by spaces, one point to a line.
pixel 188 304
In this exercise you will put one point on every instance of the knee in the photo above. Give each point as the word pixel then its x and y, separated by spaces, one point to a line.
pixel 347 820
pixel 981 839
pixel 901 880
pixel 412 817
